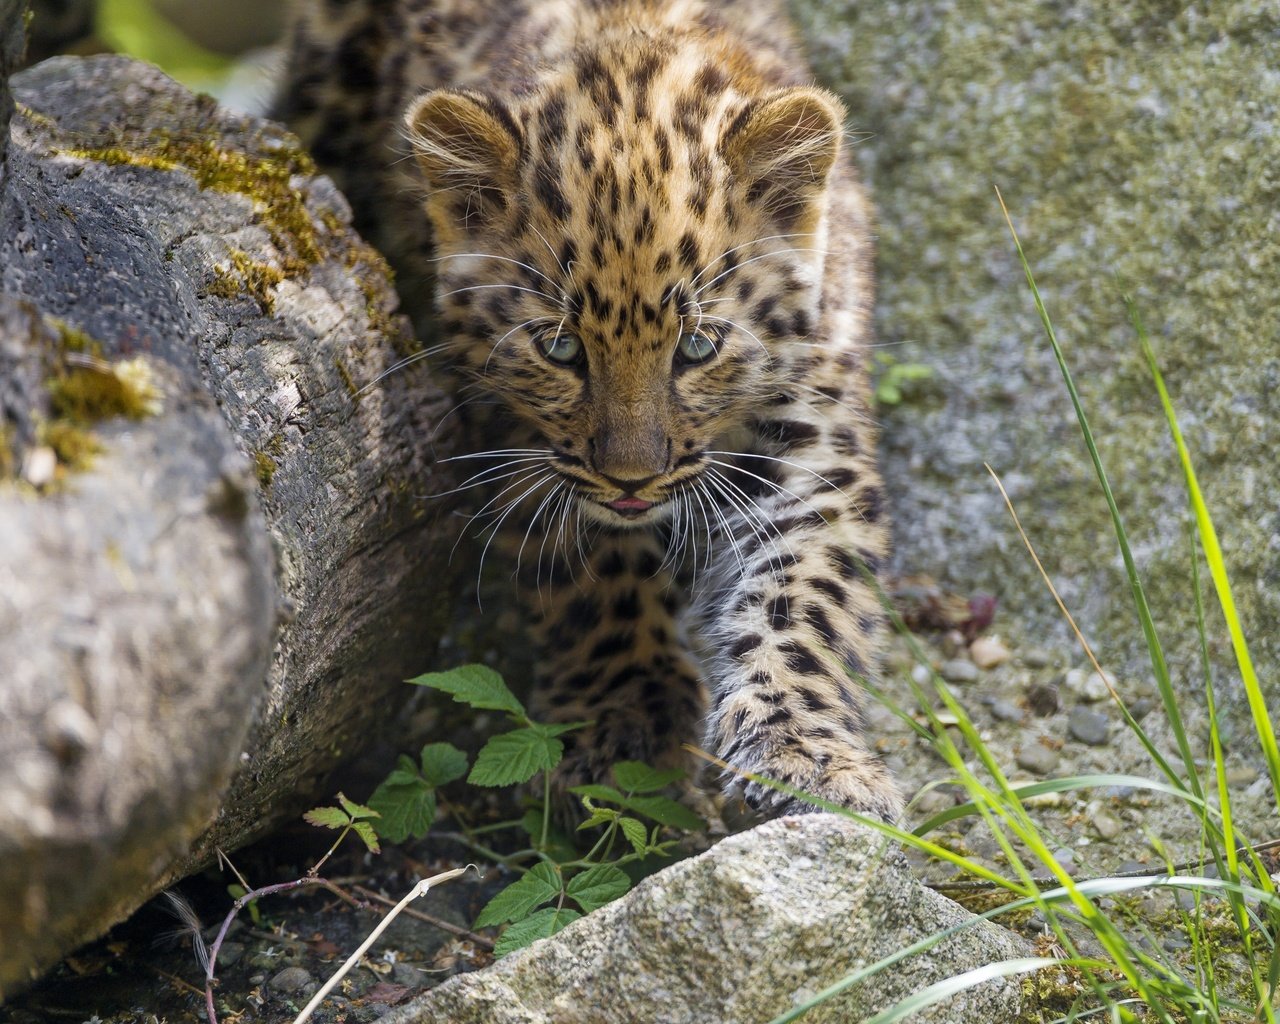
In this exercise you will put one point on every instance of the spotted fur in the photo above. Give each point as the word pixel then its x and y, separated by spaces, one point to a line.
pixel 651 253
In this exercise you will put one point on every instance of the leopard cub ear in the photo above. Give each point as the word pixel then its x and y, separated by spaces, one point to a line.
pixel 781 149
pixel 468 147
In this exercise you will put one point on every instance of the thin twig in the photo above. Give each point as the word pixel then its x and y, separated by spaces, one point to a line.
pixel 436 922
pixel 421 889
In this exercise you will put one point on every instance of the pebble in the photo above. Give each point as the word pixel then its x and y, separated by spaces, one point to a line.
pixel 1005 711
pixel 1241 775
pixel 1106 824
pixel 921 674
pixel 1036 757
pixel 40 466
pixel 989 651
pixel 958 670
pixel 1089 687
pixel 1044 699
pixel 292 980
pixel 1089 727
pixel 1141 707
pixel 934 802
pixel 1066 858
pixel 1035 657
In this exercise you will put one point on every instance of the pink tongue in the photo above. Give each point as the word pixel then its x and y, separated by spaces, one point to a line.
pixel 630 504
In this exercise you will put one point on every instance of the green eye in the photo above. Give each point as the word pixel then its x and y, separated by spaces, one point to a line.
pixel 695 348
pixel 565 349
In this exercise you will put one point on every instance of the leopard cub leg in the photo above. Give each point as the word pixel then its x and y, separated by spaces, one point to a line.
pixel 611 657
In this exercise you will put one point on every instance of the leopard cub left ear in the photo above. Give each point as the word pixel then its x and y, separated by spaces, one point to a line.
pixel 781 149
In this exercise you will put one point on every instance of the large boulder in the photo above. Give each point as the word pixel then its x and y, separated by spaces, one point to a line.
pixel 207 523
pixel 1137 146
pixel 747 931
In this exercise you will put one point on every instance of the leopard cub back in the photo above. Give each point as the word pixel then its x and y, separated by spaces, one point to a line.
pixel 646 252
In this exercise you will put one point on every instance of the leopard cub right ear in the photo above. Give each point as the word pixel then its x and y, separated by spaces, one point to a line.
pixel 468 147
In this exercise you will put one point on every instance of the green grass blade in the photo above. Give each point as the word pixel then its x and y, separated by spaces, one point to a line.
pixel 1154 647
pixel 949 987
pixel 1217 568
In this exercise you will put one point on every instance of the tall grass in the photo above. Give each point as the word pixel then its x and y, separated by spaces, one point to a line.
pixel 1123 978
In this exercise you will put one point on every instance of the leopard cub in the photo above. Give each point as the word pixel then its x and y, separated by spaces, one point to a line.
pixel 652 262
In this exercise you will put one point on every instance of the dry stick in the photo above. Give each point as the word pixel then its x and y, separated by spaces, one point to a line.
pixel 436 922
pixel 420 889
pixel 239 904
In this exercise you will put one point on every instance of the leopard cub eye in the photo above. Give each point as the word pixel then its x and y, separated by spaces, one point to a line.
pixel 565 349
pixel 695 348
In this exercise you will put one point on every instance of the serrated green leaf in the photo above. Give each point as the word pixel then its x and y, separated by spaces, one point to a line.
pixel 599 816
pixel 442 763
pixel 476 685
pixel 598 885
pixel 407 809
pixel 595 791
pixel 401 777
pixel 638 777
pixel 665 811
pixel 515 756
pixel 356 810
pixel 539 884
pixel 636 834
pixel 327 817
pixel 556 730
pixel 544 923
pixel 364 829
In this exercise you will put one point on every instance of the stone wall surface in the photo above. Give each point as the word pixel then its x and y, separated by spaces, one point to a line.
pixel 1138 148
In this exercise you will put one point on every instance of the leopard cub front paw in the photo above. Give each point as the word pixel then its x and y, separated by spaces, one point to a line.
pixel 839 773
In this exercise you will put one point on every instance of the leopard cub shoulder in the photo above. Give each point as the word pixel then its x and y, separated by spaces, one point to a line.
pixel 644 248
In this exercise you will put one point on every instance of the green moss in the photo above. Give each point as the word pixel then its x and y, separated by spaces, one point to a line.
pixel 345 374
pixel 265 180
pixel 74 445
pixel 264 467
pixel 86 389
pixel 8 452
pixel 247 276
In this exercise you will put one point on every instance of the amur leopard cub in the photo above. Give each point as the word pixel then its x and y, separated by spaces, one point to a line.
pixel 653 261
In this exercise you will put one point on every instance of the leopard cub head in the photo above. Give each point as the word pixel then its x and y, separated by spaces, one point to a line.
pixel 628 258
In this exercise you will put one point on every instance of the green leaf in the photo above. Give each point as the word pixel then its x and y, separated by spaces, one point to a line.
pixel 356 810
pixel 544 923
pixel 599 816
pixel 364 830
pixel 666 811
pixel 638 777
pixel 407 808
pixel 442 763
pixel 327 817
pixel 558 729
pixel 401 777
pixel 594 791
pixel 541 883
pixel 476 685
pixel 636 834
pixel 515 756
pixel 598 885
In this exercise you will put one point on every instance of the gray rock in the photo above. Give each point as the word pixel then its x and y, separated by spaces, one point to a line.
pixel 959 670
pixel 1006 711
pixel 1036 757
pixel 1091 727
pixel 1061 103
pixel 255 538
pixel 1044 699
pixel 292 981
pixel 738 935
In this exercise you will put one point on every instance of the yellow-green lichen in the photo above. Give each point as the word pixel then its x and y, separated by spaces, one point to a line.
pixel 264 468
pixel 247 276
pixel 345 374
pixel 86 389
pixel 268 181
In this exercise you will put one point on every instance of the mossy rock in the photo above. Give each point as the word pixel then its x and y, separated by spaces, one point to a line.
pixel 1137 148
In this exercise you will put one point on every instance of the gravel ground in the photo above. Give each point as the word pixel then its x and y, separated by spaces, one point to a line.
pixel 1043 713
